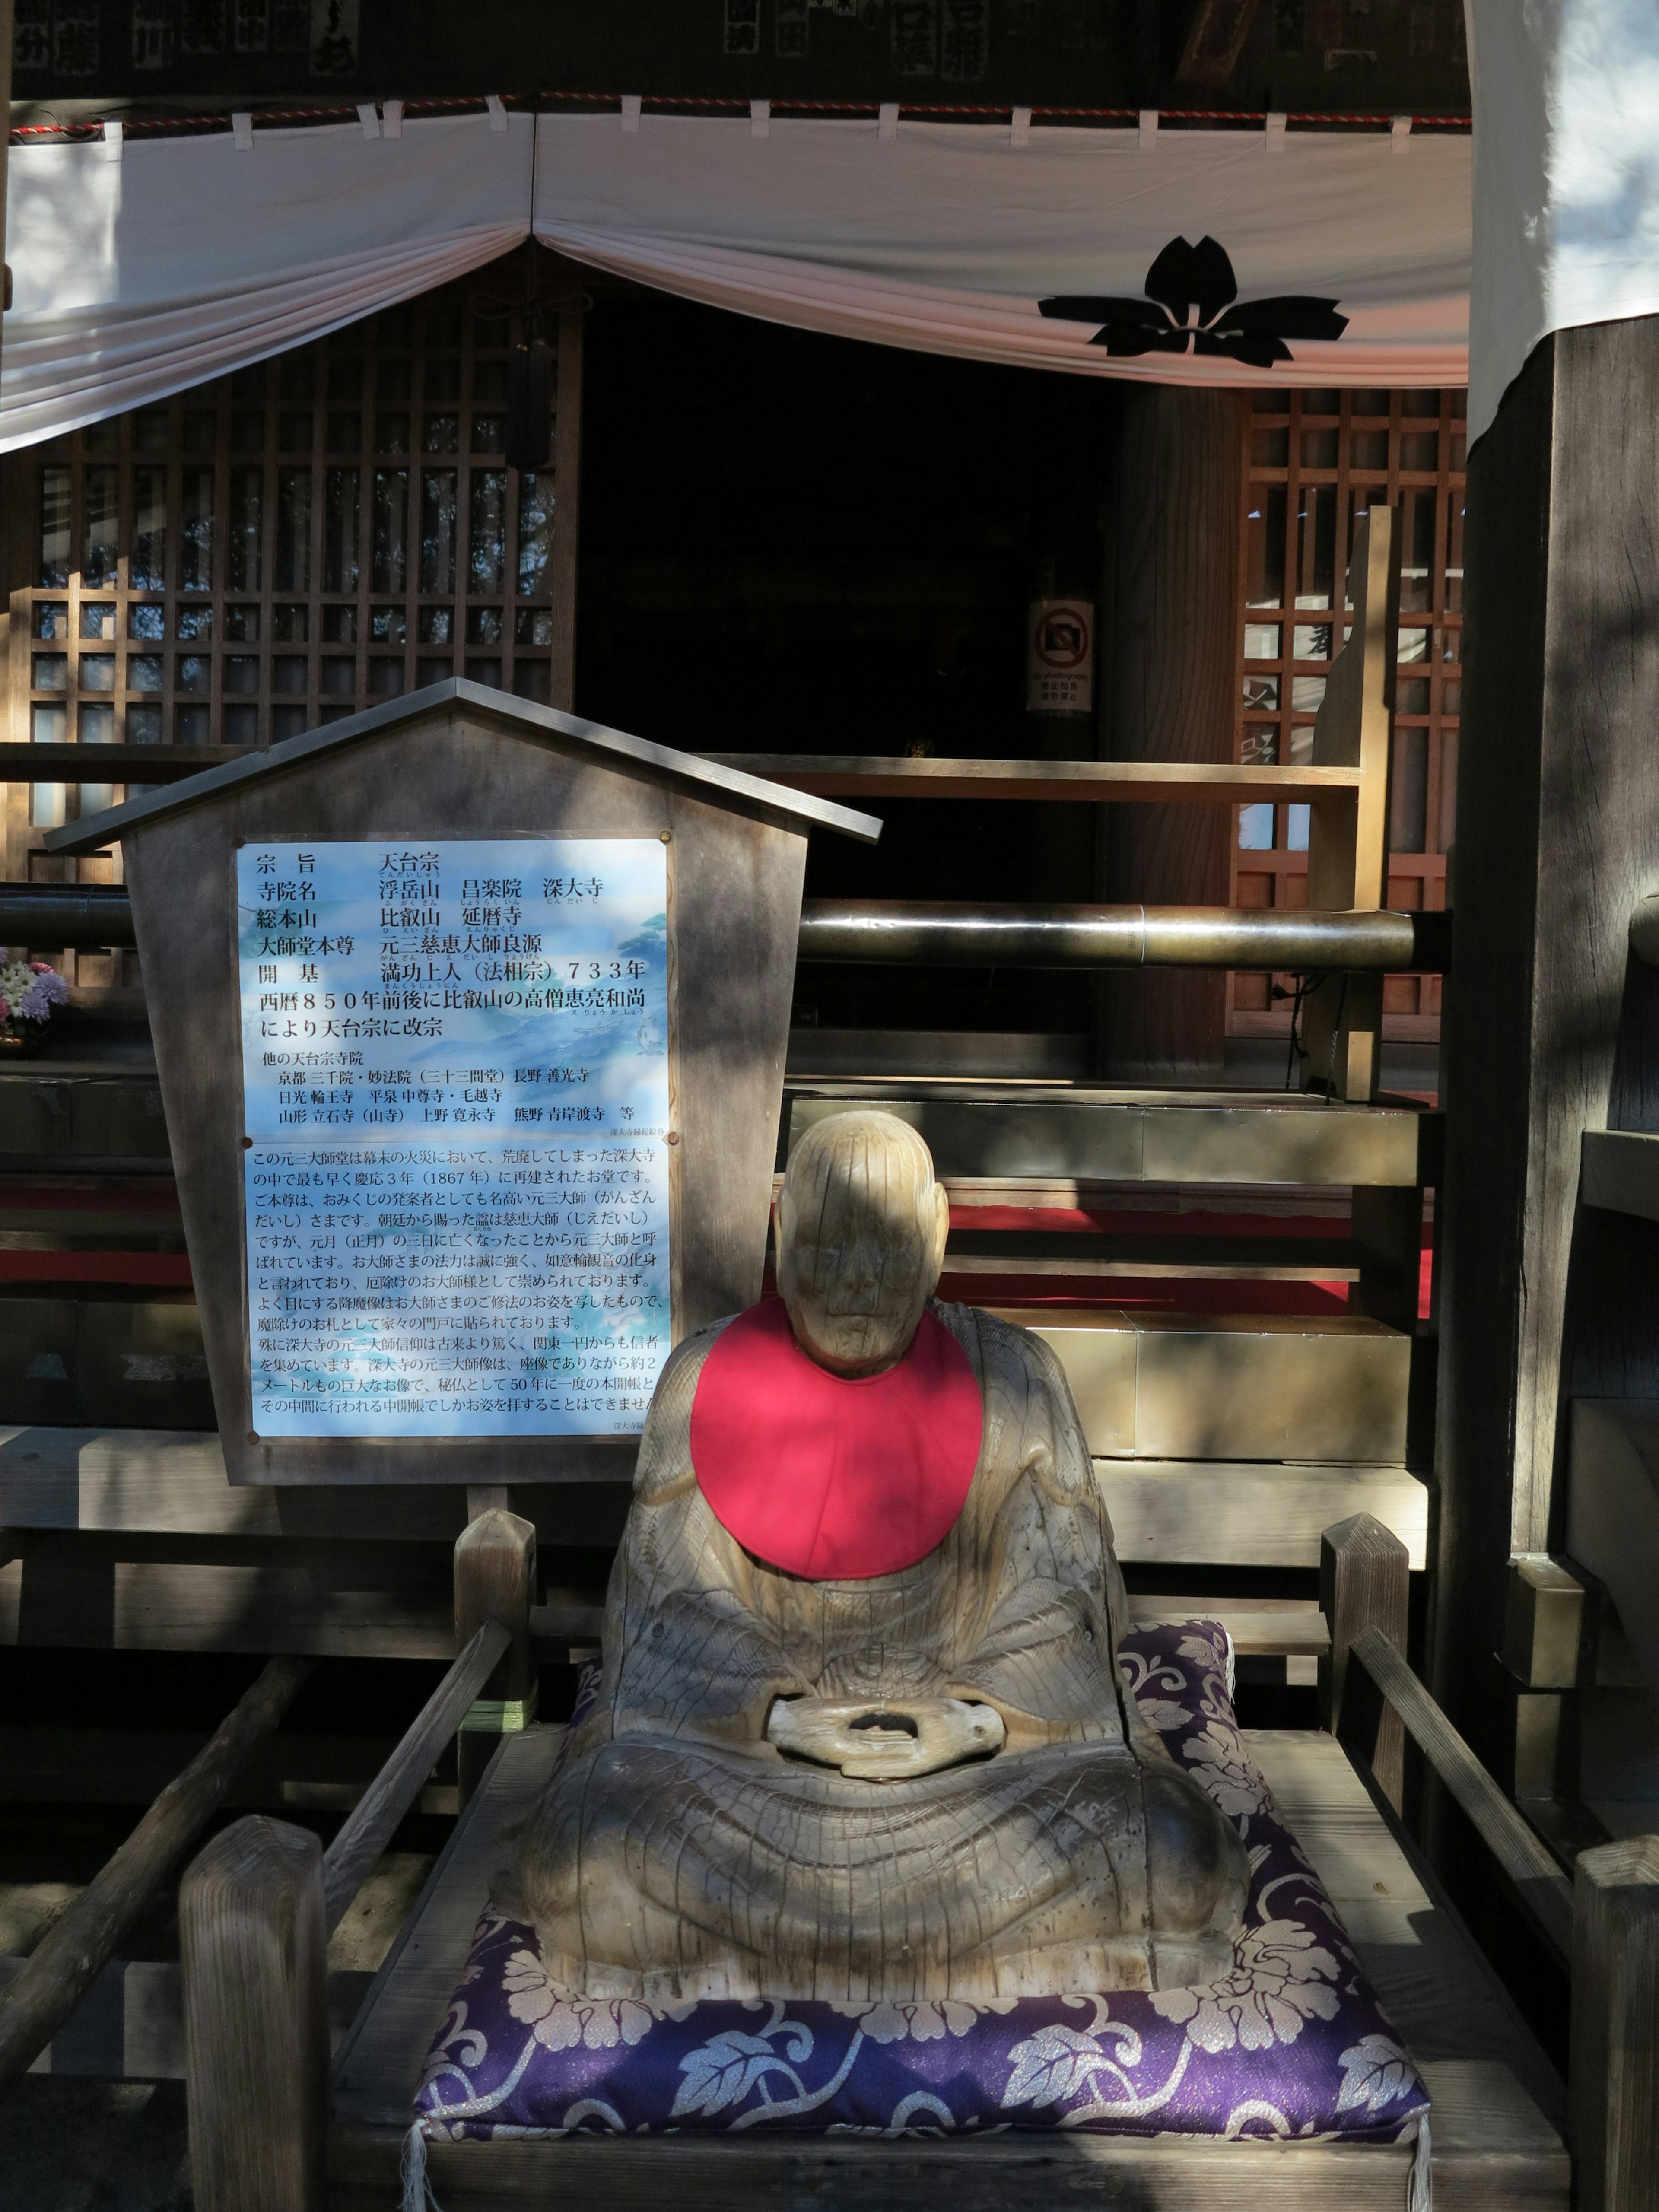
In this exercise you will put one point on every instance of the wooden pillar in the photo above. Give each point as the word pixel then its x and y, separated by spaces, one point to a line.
pixel 1614 2079
pixel 1170 669
pixel 494 1580
pixel 1364 1583
pixel 567 508
pixel 1348 837
pixel 1558 838
pixel 255 1970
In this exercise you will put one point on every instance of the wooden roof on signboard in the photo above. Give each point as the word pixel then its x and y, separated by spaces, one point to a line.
pixel 706 779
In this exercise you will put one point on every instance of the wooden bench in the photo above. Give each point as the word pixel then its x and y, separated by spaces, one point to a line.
pixel 1499 2116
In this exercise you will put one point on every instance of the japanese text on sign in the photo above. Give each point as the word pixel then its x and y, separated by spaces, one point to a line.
pixel 455 1087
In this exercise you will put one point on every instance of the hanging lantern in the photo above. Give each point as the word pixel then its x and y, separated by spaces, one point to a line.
pixel 529 401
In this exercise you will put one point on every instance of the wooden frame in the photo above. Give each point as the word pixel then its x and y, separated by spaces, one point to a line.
pixel 1348 850
pixel 1311 458
pixel 1497 2108
pixel 1603 1924
pixel 459 762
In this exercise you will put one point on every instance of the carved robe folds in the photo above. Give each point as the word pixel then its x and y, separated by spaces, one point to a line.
pixel 679 1854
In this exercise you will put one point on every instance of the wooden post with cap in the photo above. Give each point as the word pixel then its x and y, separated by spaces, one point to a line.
pixel 494 1580
pixel 1364 1583
pixel 1613 2083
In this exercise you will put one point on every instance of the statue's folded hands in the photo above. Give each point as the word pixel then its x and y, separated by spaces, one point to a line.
pixel 887 1740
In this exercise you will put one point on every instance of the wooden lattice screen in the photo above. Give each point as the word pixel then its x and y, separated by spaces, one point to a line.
pixel 280 548
pixel 1314 461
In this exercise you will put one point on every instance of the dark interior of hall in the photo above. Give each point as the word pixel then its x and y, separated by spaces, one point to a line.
pixel 795 543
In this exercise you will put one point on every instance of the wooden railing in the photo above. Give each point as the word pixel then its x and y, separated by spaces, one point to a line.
pixel 1603 1924
pixel 257 1906
pixel 74 1952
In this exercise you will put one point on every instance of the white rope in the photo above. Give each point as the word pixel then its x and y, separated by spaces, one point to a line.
pixel 1420 2190
pixel 411 2166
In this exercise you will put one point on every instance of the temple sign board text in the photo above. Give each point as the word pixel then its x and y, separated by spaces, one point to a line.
pixel 456 1105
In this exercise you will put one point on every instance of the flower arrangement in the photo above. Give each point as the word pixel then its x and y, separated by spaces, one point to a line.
pixel 29 989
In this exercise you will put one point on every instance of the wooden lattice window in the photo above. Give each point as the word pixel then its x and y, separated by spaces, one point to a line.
pixel 280 547
pixel 1316 461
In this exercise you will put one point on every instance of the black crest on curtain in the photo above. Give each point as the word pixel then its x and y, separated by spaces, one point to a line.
pixel 1184 277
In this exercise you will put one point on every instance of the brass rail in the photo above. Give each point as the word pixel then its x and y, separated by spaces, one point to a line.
pixel 913 933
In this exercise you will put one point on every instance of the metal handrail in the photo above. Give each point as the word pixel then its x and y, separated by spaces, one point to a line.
pixel 921 933
pixel 916 934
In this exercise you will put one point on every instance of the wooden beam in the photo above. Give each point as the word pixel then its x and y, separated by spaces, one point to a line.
pixel 1613 1513
pixel 1549 1018
pixel 1348 846
pixel 1261 1628
pixel 1283 1138
pixel 566 506
pixel 1197 1386
pixel 130 2027
pixel 288 1772
pixel 880 777
pixel 1539 1881
pixel 1168 698
pixel 1618 1171
pixel 1615 2026
pixel 1248 1514
pixel 1213 1512
pixel 495 1587
pixel 73 1952
pixel 1547 1624
pixel 395 1789
pixel 76 1593
pixel 1364 1583
pixel 76 763
pixel 254 1955
pixel 172 1482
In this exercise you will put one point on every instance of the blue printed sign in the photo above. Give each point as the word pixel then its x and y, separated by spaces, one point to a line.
pixel 455 1077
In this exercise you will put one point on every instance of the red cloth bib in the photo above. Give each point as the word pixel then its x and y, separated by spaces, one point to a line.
pixel 833 1480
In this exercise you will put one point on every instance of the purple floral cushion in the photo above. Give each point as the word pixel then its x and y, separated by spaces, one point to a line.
pixel 1292 2043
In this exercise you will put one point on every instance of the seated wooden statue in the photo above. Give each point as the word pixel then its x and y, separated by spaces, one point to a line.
pixel 861 1733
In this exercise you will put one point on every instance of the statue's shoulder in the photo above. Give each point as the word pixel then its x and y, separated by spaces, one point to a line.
pixel 664 1467
pixel 1029 1408
pixel 1000 1350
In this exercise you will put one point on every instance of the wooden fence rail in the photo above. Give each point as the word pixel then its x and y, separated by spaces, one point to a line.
pixel 72 1953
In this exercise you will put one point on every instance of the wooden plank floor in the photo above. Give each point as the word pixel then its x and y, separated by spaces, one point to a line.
pixel 1496 2104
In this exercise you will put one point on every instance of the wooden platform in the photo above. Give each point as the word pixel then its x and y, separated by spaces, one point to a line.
pixel 1496 2105
pixel 1204 1387
pixel 1127 1136
pixel 133 1536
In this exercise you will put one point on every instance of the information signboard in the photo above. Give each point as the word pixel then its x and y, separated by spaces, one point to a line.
pixel 456 1065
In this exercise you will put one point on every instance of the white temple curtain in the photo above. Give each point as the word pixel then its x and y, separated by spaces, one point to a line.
pixel 137 277
pixel 945 237
pixel 140 277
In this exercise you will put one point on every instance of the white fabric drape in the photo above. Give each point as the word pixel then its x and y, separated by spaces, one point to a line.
pixel 139 276
pixel 945 237
pixel 1566 177
pixel 187 257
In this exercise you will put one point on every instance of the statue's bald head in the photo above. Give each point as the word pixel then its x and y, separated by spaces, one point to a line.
pixel 862 1229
